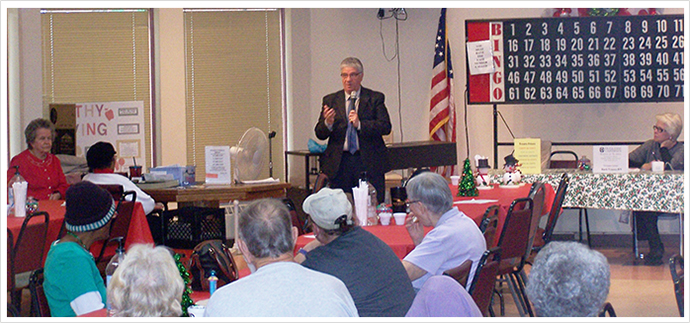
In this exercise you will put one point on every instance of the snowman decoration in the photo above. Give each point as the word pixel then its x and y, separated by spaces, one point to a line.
pixel 483 179
pixel 512 175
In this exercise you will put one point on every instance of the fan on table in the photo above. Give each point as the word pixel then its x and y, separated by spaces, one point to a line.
pixel 249 156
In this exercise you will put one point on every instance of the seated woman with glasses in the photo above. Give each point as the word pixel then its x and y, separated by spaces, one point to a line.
pixel 454 238
pixel 663 147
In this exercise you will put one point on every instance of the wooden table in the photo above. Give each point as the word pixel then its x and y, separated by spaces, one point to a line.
pixel 213 195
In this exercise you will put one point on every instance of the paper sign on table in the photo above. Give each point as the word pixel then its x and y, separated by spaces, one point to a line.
pixel 528 153
pixel 218 165
pixel 610 159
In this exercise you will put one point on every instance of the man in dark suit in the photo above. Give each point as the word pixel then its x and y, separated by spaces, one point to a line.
pixel 354 120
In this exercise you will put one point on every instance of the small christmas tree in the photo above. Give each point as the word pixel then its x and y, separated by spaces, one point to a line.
pixel 186 299
pixel 467 185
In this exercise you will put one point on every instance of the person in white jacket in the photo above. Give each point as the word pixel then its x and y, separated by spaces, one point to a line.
pixel 101 161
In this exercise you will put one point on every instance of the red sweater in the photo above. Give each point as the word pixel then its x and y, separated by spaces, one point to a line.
pixel 44 176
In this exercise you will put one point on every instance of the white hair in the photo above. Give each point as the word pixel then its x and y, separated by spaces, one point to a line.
pixel 146 284
pixel 673 122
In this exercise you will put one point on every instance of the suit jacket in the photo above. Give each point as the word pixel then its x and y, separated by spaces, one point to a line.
pixel 374 123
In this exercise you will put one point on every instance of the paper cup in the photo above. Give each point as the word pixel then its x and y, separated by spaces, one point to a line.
pixel 385 218
pixel 196 310
pixel 455 179
pixel 135 171
pixel 657 166
pixel 399 218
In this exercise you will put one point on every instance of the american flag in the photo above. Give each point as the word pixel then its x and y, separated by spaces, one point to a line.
pixel 442 107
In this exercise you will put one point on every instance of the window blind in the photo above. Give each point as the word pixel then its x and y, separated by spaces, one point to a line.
pixel 97 55
pixel 233 81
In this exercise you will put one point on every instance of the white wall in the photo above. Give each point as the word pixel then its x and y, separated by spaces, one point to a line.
pixel 321 38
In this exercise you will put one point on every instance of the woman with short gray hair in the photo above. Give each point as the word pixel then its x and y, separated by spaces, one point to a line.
pixel 454 238
pixel 568 280
pixel 41 169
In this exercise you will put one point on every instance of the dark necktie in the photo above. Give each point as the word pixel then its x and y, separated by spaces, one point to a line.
pixel 351 131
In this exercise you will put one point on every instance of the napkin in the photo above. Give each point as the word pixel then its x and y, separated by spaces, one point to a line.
pixel 473 201
pixel 361 195
pixel 19 189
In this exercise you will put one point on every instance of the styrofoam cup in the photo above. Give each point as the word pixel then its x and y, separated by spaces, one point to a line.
pixel 455 179
pixel 385 218
pixel 400 218
pixel 657 166
pixel 196 310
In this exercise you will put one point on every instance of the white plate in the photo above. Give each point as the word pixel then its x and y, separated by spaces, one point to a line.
pixel 511 186
pixel 485 187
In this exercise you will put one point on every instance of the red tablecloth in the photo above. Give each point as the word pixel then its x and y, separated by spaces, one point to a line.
pixel 399 240
pixel 196 297
pixel 504 196
pixel 395 236
pixel 139 231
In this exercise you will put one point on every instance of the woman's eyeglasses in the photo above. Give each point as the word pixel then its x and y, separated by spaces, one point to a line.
pixel 658 129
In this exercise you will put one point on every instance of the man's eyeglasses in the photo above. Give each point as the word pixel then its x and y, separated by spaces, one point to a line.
pixel 658 129
pixel 351 75
pixel 410 202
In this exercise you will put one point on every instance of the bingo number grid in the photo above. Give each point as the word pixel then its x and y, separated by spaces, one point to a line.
pixel 580 60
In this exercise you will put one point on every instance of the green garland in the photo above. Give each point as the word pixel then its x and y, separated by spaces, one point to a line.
pixel 186 299
pixel 602 12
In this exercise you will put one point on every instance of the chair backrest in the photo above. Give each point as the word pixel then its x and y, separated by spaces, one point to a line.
pixel 563 163
pixel 515 235
pixel 10 260
pixel 607 309
pixel 39 302
pixel 556 208
pixel 296 221
pixel 537 194
pixel 460 273
pixel 12 310
pixel 675 264
pixel 321 182
pixel 484 280
pixel 27 253
pixel 120 222
pixel 116 190
pixel 125 209
pixel 489 225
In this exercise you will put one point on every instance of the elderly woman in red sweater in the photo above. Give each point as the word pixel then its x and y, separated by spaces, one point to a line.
pixel 40 168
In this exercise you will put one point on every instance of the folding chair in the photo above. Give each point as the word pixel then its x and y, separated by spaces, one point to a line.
pixel 27 251
pixel 460 273
pixel 675 264
pixel 484 281
pixel 39 302
pixel 607 309
pixel 489 225
pixel 582 212
pixel 116 190
pixel 513 243
pixel 296 221
pixel 543 236
pixel 118 228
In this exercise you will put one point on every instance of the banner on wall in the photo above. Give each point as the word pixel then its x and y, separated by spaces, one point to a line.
pixel 119 123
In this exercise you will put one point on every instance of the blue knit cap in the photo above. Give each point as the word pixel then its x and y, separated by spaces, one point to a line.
pixel 88 207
